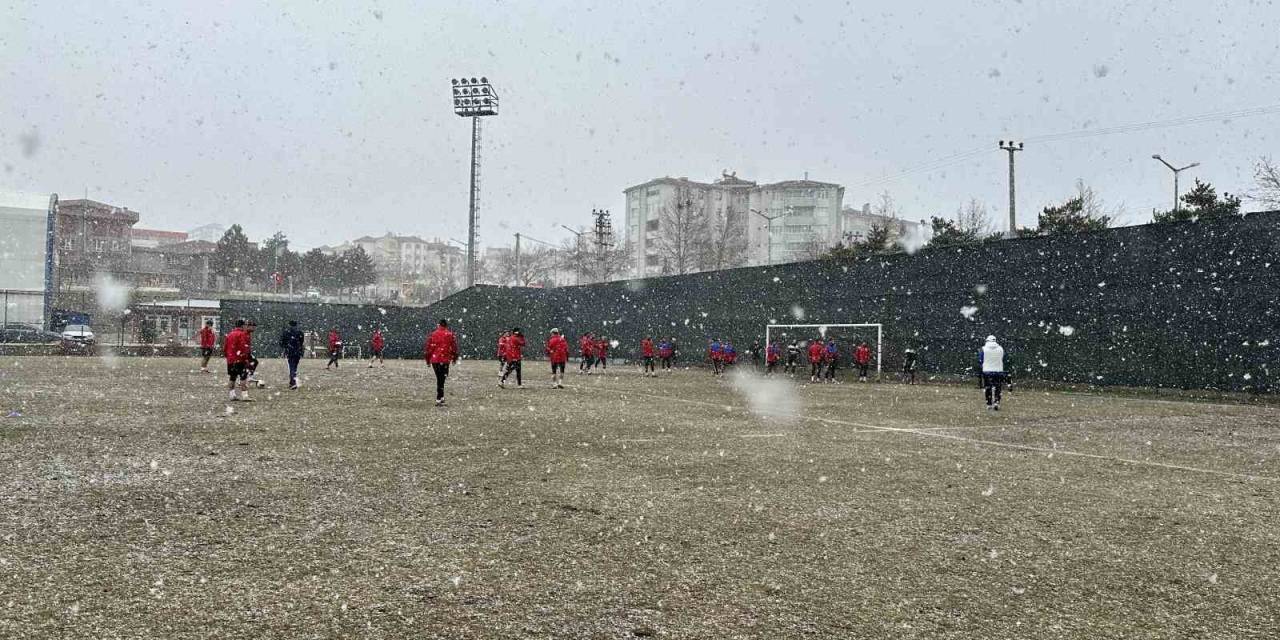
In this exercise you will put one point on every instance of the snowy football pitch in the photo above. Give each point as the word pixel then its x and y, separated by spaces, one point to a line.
pixel 135 503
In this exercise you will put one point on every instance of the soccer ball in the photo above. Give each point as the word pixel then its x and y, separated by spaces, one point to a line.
pixel 261 384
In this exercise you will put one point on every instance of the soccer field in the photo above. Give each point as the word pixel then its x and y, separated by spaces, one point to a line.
pixel 138 503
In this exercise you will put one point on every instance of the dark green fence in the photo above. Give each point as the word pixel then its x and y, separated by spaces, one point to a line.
pixel 1189 305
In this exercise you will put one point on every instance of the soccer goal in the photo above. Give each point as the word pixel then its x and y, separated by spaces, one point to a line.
pixel 348 349
pixel 846 334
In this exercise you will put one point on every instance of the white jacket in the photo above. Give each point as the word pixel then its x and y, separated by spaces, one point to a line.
pixel 992 357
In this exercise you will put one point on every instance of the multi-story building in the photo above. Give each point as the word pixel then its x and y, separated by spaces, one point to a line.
pixel 408 266
pixel 152 238
pixel 739 223
pixel 857 223
pixel 211 232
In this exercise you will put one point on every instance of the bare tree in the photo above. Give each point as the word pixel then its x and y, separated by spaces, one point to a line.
pixel 725 244
pixel 1266 175
pixel 973 219
pixel 886 207
pixel 533 266
pixel 1092 206
pixel 682 231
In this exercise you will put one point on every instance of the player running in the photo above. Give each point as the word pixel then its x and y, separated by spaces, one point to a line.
pixel 587 345
pixel 793 358
pixel 235 348
pixel 376 343
pixel 335 349
pixel 208 340
pixel 771 355
pixel 991 357
pixel 666 352
pixel 557 350
pixel 862 358
pixel 602 353
pixel 441 350
pixel 502 351
pixel 292 346
pixel 817 351
pixel 514 358
pixel 715 351
pixel 646 354
pixel 831 360
pixel 909 359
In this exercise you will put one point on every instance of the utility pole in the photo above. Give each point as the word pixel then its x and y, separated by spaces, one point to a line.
pixel 604 238
pixel 1012 147
pixel 518 259
pixel 768 232
pixel 1176 171
pixel 577 263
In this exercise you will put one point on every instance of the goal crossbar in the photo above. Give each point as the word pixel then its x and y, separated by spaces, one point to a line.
pixel 821 328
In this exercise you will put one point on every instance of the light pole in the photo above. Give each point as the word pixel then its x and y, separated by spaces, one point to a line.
pixel 1012 147
pixel 577 268
pixel 474 98
pixel 768 232
pixel 1175 171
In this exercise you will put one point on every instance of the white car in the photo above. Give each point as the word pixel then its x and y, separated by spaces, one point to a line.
pixel 77 333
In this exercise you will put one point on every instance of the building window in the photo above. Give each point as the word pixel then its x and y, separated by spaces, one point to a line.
pixel 651 225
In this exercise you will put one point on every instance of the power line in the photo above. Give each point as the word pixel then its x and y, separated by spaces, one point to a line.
pixel 957 158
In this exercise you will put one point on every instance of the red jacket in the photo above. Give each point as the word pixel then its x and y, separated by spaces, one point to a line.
pixel 557 349
pixel 502 347
pixel 208 339
pixel 587 345
pixel 602 348
pixel 377 341
pixel 646 348
pixel 441 346
pixel 515 348
pixel 862 355
pixel 817 351
pixel 236 347
pixel 334 340
pixel 771 353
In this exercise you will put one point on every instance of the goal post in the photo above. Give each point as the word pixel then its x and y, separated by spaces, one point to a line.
pixel 807 331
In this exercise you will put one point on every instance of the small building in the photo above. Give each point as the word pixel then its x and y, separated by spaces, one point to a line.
pixel 152 238
pixel 169 321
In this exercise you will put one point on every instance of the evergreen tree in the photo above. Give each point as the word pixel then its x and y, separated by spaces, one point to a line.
pixel 1071 217
pixel 1202 202
pixel 234 257
pixel 356 269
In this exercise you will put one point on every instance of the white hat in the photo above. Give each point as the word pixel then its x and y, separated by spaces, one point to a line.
pixel 555 331
pixel 991 338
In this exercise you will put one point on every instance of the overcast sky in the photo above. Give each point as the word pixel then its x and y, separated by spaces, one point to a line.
pixel 329 120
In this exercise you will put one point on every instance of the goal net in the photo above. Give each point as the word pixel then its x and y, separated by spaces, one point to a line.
pixel 349 350
pixel 847 336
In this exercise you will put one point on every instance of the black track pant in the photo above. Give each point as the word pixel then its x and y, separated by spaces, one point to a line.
pixel 993 385
pixel 333 358
pixel 513 365
pixel 666 363
pixel 648 364
pixel 442 372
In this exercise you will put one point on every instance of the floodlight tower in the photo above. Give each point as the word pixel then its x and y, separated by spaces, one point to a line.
pixel 474 98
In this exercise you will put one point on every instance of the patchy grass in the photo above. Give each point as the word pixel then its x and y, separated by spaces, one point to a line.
pixel 134 505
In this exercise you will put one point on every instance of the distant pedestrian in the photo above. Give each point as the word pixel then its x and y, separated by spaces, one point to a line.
pixel 376 344
pixel 557 350
pixel 441 350
pixel 335 349
pixel 514 358
pixel 646 354
pixel 208 340
pixel 251 367
pixel 862 358
pixel 991 357
pixel 715 351
pixel 755 353
pixel 831 360
pixel 909 359
pixel 292 347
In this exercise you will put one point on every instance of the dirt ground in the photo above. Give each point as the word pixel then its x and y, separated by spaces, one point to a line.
pixel 136 502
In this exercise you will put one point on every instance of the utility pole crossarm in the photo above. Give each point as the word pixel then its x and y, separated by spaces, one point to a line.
pixel 1012 147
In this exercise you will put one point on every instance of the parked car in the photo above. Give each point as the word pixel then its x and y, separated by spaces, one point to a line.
pixel 77 333
pixel 15 332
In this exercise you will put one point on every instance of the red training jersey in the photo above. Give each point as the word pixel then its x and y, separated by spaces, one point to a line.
pixel 862 355
pixel 236 347
pixel 557 349
pixel 515 348
pixel 587 345
pixel 377 341
pixel 334 340
pixel 441 346
pixel 646 348
pixel 817 352
pixel 602 348
pixel 208 338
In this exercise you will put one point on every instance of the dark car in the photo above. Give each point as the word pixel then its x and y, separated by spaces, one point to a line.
pixel 15 332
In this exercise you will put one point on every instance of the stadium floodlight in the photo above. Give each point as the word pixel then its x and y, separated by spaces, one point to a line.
pixel 474 98
pixel 826 330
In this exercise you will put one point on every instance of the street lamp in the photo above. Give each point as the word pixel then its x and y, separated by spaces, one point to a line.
pixel 768 232
pixel 577 266
pixel 1175 171
pixel 474 98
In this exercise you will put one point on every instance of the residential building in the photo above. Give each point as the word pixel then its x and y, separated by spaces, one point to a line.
pixel 409 267
pixel 207 232
pixel 857 223
pixel 152 238
pixel 730 213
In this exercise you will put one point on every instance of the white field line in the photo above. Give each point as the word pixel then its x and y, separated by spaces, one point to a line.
pixel 991 443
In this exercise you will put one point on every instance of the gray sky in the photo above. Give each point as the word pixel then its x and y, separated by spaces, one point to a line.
pixel 329 120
